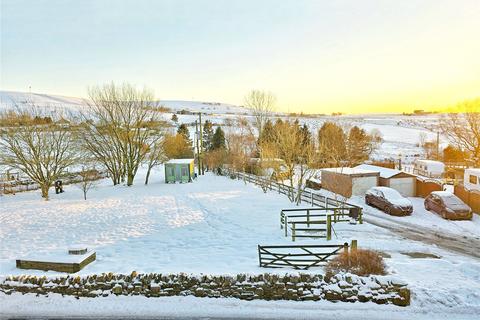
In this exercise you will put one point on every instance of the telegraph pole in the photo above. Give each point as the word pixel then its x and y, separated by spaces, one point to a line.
pixel 197 133
pixel 201 144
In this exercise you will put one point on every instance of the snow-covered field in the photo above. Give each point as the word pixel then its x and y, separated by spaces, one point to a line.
pixel 211 226
pixel 400 134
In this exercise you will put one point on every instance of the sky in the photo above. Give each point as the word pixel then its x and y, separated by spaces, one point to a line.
pixel 315 56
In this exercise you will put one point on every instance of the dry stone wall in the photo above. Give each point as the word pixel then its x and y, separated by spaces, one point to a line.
pixel 298 287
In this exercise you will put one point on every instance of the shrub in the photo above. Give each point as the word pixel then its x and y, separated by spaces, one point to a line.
pixel 359 262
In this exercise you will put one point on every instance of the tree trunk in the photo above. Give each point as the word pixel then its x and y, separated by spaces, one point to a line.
pixel 84 194
pixel 130 178
pixel 44 192
pixel 148 175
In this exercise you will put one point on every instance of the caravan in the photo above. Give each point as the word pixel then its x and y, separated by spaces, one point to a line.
pixel 428 168
pixel 472 179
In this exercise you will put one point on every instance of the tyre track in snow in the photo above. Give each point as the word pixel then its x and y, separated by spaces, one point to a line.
pixel 467 246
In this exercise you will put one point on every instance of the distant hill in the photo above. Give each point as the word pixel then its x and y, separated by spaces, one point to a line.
pixel 55 104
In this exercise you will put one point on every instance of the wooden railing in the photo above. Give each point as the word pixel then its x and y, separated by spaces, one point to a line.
pixel 300 256
pixel 305 222
pixel 341 208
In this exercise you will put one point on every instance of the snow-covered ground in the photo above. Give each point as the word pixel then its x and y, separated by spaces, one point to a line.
pixel 211 226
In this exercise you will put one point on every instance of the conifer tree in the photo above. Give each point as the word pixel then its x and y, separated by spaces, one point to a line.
pixel 207 135
pixel 218 140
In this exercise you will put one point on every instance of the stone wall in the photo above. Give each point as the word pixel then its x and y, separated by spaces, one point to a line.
pixel 299 287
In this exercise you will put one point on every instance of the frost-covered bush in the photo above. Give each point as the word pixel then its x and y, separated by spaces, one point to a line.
pixel 359 262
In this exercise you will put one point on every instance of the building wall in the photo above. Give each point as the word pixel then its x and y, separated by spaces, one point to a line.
pixel 337 183
pixel 360 185
pixel 406 186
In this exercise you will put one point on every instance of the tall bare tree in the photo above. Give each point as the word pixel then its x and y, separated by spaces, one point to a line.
pixel 120 127
pixel 41 152
pixel 462 128
pixel 262 104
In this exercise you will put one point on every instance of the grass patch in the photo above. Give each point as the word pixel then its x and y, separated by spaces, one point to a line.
pixel 360 262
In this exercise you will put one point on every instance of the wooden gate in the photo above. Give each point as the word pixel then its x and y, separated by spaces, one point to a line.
pixel 300 256
pixel 425 187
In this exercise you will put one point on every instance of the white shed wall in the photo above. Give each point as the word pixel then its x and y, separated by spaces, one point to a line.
pixel 406 186
pixel 360 185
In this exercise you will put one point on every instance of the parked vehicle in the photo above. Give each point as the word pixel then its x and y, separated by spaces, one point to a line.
pixel 388 200
pixel 448 205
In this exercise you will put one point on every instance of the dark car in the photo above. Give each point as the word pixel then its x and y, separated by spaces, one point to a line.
pixel 448 205
pixel 389 201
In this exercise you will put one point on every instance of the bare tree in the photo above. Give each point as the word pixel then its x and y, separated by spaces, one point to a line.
pixel 297 152
pixel 41 152
pixel 463 128
pixel 262 105
pixel 88 180
pixel 156 156
pixel 120 128
pixel 240 144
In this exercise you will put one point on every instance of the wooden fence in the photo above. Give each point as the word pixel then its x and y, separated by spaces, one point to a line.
pixel 470 197
pixel 26 184
pixel 306 196
pixel 311 222
pixel 300 256
pixel 425 187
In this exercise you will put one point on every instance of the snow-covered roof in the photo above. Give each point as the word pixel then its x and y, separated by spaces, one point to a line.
pixel 384 172
pixel 474 171
pixel 351 171
pixel 180 161
pixel 431 163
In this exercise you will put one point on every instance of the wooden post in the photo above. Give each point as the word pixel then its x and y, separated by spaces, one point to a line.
pixel 259 256
pixel 286 225
pixel 293 231
pixel 329 227
pixel 345 247
pixel 353 245
pixel 360 216
pixel 311 198
pixel 308 218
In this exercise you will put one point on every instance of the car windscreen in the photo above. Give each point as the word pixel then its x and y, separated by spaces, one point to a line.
pixel 452 201
pixel 391 194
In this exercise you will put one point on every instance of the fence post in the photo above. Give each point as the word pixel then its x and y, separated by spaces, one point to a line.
pixel 360 216
pixel 353 245
pixel 293 231
pixel 286 225
pixel 329 227
pixel 345 247
pixel 308 218
pixel 311 198
pixel 259 256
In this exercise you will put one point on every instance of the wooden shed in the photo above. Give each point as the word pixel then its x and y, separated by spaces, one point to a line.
pixel 403 182
pixel 349 181
pixel 179 170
